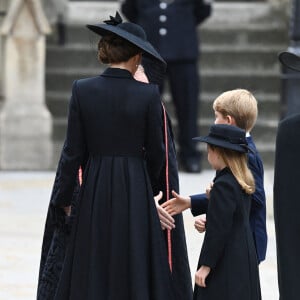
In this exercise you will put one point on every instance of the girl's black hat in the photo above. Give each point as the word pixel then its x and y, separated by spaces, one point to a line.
pixel 131 32
pixel 226 136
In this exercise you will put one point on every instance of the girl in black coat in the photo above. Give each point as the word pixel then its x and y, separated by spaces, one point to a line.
pixel 227 267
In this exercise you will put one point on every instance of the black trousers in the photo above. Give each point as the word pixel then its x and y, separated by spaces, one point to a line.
pixel 184 85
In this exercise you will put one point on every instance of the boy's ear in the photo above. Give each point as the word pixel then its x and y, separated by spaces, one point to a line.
pixel 230 120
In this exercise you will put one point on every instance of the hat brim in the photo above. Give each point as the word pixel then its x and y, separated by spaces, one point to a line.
pixel 145 46
pixel 290 60
pixel 222 143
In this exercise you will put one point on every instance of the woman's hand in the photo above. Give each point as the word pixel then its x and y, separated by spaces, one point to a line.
pixel 201 275
pixel 200 223
pixel 166 221
pixel 177 205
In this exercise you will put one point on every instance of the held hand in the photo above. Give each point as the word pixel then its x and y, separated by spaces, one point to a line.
pixel 67 210
pixel 208 189
pixel 177 205
pixel 200 223
pixel 166 221
pixel 201 275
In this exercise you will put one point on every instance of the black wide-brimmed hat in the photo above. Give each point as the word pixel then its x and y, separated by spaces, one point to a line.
pixel 226 136
pixel 290 60
pixel 131 32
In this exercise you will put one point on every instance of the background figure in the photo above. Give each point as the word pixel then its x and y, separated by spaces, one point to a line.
pixel 171 26
pixel 286 198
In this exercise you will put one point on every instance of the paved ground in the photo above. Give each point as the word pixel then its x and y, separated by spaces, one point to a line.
pixel 24 199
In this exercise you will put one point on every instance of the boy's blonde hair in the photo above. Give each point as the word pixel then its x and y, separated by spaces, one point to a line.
pixel 237 163
pixel 239 104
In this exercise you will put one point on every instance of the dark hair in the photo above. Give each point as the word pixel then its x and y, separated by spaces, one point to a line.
pixel 114 49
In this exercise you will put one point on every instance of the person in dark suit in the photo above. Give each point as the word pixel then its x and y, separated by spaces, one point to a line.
pixel 171 27
pixel 116 248
pixel 227 267
pixel 286 197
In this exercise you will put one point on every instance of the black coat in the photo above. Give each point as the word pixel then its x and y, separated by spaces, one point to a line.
pixel 228 246
pixel 171 28
pixel 199 202
pixel 117 136
pixel 287 207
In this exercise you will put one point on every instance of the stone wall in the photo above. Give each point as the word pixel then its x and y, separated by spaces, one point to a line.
pixel 25 122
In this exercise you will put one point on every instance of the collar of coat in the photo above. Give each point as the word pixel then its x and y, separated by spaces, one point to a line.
pixel 116 72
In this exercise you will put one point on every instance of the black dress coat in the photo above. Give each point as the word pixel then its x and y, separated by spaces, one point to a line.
pixel 116 226
pixel 287 207
pixel 228 246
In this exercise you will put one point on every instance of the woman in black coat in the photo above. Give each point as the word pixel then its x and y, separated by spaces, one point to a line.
pixel 117 249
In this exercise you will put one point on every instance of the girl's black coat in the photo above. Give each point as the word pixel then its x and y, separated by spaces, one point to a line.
pixel 228 246
pixel 116 249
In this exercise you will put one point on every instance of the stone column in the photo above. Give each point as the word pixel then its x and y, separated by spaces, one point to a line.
pixel 25 122
pixel 3 9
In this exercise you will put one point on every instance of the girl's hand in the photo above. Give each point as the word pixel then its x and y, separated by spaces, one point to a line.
pixel 166 221
pixel 177 205
pixel 201 275
pixel 200 223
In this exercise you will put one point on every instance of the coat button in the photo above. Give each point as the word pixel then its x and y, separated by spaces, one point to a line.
pixel 162 18
pixel 163 5
pixel 163 31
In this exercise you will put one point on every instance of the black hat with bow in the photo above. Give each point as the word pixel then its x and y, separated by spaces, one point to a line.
pixel 226 136
pixel 131 32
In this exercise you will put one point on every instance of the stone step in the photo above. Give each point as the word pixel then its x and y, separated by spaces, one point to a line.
pixel 243 34
pixel 240 57
pixel 212 81
pixel 268 104
pixel 209 34
pixel 217 81
pixel 233 57
pixel 249 22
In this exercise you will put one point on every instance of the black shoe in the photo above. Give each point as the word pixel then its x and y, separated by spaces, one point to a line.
pixel 191 165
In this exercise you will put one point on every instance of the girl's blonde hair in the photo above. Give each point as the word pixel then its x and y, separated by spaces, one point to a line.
pixel 239 104
pixel 237 163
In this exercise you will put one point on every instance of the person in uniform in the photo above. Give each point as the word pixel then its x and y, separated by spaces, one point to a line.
pixel 171 26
